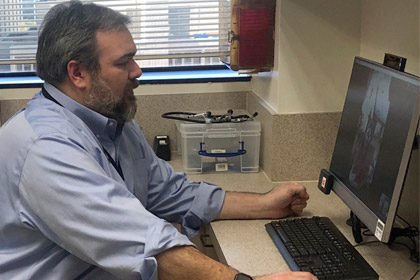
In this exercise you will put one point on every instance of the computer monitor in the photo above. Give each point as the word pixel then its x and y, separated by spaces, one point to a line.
pixel 374 142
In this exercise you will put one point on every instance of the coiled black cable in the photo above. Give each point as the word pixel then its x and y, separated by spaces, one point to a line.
pixel 208 117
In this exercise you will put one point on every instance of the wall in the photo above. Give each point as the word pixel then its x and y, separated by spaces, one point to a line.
pixel 391 26
pixel 294 146
pixel 316 42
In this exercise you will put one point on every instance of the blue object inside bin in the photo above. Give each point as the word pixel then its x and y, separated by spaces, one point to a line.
pixel 240 152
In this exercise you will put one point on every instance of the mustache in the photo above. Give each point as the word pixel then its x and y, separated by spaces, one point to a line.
pixel 135 83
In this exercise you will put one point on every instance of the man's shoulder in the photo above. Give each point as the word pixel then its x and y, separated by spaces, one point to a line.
pixel 47 118
pixel 27 126
pixel 16 127
pixel 37 123
pixel 16 138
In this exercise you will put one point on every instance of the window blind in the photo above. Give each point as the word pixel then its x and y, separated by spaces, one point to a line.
pixel 167 33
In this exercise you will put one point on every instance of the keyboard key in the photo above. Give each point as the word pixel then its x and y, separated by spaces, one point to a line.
pixel 311 251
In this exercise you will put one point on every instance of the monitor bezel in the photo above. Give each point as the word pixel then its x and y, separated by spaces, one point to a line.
pixel 367 216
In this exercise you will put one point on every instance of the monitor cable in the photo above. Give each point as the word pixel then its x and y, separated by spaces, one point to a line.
pixel 410 232
pixel 414 276
pixel 366 243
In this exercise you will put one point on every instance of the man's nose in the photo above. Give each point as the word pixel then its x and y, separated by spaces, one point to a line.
pixel 136 71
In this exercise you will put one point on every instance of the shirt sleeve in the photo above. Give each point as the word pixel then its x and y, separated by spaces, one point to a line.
pixel 68 197
pixel 172 197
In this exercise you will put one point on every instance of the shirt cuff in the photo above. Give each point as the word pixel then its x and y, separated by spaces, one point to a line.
pixel 207 204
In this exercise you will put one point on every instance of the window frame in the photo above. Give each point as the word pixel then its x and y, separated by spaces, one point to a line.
pixel 151 76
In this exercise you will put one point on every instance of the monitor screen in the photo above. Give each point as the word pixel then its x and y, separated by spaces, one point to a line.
pixel 374 142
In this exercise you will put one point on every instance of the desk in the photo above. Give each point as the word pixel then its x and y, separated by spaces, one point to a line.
pixel 246 246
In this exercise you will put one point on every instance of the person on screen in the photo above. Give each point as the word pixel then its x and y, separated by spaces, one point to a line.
pixel 82 195
pixel 371 126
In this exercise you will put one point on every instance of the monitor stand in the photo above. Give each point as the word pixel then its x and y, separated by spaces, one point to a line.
pixel 356 227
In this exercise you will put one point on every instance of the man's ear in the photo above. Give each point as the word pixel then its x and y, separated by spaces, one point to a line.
pixel 78 74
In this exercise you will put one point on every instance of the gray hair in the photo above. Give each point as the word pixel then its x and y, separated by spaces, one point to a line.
pixel 68 33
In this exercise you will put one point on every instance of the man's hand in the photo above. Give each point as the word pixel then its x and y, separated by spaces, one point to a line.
pixel 282 201
pixel 288 275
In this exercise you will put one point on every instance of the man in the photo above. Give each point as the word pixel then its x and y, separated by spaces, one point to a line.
pixel 82 195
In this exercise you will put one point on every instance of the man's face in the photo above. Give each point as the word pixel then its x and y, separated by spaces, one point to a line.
pixel 111 90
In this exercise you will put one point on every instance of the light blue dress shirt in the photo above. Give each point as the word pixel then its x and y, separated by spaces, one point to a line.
pixel 66 213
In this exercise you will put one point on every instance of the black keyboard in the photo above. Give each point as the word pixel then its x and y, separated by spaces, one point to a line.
pixel 316 245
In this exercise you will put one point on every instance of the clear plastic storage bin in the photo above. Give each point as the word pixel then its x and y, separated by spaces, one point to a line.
pixel 219 147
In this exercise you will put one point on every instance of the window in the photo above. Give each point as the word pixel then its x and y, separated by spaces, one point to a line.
pixel 167 33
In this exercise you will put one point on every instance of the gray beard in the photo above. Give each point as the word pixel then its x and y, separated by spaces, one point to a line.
pixel 101 99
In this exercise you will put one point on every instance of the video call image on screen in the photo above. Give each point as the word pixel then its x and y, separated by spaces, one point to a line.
pixel 372 135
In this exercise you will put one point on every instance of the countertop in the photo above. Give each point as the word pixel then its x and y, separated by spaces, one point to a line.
pixel 246 246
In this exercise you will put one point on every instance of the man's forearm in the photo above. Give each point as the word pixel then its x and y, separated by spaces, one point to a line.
pixel 280 202
pixel 187 262
pixel 239 205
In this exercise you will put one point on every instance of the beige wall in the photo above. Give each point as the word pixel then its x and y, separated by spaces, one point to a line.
pixel 391 26
pixel 316 41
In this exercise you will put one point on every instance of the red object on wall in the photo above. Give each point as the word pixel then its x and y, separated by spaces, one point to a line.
pixel 256 38
pixel 252 35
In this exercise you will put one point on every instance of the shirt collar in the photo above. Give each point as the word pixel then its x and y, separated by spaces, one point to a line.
pixel 100 125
